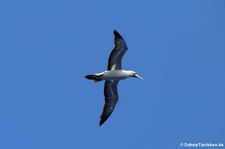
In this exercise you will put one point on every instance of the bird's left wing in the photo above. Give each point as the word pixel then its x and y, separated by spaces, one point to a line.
pixel 111 98
pixel 114 62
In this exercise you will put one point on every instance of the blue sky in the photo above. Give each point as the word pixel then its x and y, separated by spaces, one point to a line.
pixel 48 46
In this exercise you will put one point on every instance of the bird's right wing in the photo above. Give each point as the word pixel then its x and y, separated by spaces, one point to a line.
pixel 117 53
pixel 111 98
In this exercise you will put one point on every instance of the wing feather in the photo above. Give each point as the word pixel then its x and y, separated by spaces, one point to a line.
pixel 114 62
pixel 111 98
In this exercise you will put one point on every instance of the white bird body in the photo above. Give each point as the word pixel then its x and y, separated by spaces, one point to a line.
pixel 116 74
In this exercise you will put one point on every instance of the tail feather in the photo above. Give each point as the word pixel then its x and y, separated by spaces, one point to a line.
pixel 90 77
pixel 93 77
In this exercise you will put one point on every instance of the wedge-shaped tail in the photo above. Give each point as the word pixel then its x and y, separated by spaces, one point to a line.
pixel 95 78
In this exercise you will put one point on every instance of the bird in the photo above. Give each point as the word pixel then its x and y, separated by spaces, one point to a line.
pixel 112 76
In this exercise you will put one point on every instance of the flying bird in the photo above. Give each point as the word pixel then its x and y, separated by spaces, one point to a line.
pixel 112 76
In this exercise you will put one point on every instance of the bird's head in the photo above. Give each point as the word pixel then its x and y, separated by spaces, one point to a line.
pixel 134 74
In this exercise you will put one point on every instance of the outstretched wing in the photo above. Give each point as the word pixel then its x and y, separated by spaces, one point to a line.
pixel 111 98
pixel 117 53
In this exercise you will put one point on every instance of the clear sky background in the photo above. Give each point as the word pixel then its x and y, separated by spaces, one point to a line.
pixel 47 46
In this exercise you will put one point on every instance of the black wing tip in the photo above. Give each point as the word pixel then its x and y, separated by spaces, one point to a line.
pixel 102 121
pixel 100 124
pixel 117 34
